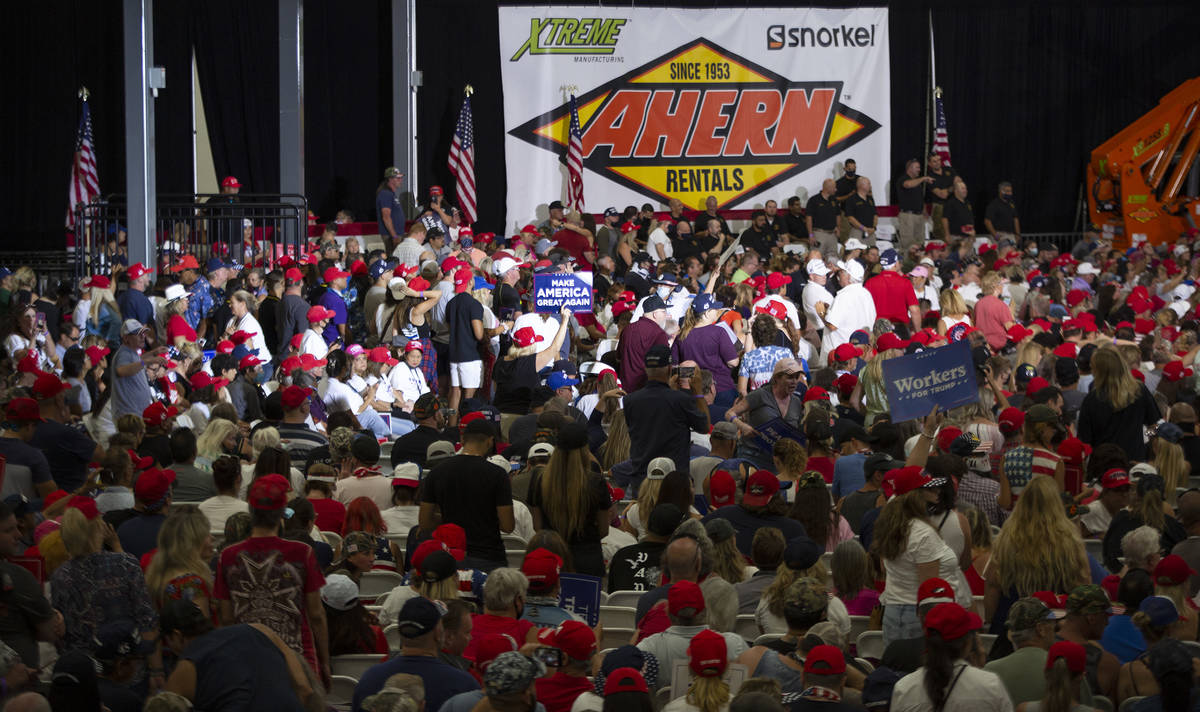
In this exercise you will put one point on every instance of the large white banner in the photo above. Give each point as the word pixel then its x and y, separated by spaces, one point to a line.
pixel 744 105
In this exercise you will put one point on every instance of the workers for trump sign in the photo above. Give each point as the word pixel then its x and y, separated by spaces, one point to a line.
pixel 551 292
pixel 742 104
pixel 944 376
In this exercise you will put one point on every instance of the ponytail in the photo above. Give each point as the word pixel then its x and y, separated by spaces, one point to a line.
pixel 1062 687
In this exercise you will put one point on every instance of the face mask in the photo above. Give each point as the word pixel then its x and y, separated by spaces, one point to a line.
pixel 664 291
pixel 1032 251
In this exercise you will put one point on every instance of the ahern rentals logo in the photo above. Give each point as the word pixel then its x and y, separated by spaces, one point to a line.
pixel 700 121
pixel 570 35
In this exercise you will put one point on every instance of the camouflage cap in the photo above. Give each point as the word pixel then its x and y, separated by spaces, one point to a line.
pixel 1088 599
pixel 511 672
pixel 806 596
pixel 357 542
pixel 1026 613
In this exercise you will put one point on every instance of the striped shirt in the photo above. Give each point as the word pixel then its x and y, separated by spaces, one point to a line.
pixel 1023 462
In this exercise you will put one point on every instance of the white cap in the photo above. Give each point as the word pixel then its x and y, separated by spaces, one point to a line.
pixel 541 450
pixel 504 264
pixel 407 469
pixel 339 592
pixel 501 462
pixel 855 269
pixel 659 467
pixel 131 326
pixel 818 268
pixel 395 285
pixel 1086 268
pixel 855 244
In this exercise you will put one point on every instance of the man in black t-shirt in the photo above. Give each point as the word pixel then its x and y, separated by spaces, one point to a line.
pixel 412 446
pixel 958 216
pixel 638 567
pixel 474 494
pixel 939 191
pixel 860 212
pixel 464 317
pixel 710 213
pixel 823 211
pixel 794 221
pixel 910 198
pixel 775 222
pixel 758 236
pixel 844 188
pixel 1001 218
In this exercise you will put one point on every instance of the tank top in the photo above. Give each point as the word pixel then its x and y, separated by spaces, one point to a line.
pixel 239 668
pixel 770 665
pixel 951 530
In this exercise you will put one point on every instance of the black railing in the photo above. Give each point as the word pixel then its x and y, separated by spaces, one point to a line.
pixel 244 229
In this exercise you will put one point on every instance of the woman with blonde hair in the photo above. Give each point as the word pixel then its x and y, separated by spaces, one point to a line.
pixel 1117 406
pixel 801 559
pixel 96 585
pixel 1066 664
pixel 635 516
pixel 1169 460
pixel 728 562
pixel 1038 549
pixel 1156 618
pixel 570 497
pixel 790 462
pixel 1171 580
pixel 1145 511
pixel 244 306
pixel 220 438
pixel 870 395
pixel 104 316
pixel 435 576
pixel 954 310
pixel 180 569
pixel 708 656
pixel 912 551
pixel 616 447
pixel 981 550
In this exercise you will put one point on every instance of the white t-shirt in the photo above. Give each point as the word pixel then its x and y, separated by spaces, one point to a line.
pixel 924 545
pixel 950 321
pixel 408 380
pixel 975 690
pixel 659 237
pixel 400 519
pixel 853 309
pixel 339 396
pixel 250 325
pixel 813 295
pixel 970 293
pixel 313 343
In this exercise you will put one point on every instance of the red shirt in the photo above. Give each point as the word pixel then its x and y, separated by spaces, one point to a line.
pixel 267 580
pixel 558 692
pixel 177 326
pixel 331 514
pixel 992 316
pixel 576 244
pixel 485 624
pixel 893 295
pixel 635 341
pixel 821 464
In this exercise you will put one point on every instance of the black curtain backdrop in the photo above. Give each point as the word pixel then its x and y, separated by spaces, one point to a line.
pixel 1030 89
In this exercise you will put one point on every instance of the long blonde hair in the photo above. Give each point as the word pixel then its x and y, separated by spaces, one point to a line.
pixel 1168 460
pixel 709 694
pixel 1039 549
pixel 874 367
pixel 565 491
pixel 209 443
pixel 616 447
pixel 180 551
pixel 80 536
pixel 1112 380
pixel 784 577
pixel 647 497
pixel 1062 687
pixel 444 590
pixel 728 562
pixel 952 303
pixel 100 296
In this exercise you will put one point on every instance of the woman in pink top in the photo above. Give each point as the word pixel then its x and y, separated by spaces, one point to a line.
pixel 853 579
pixel 813 507
pixel 992 316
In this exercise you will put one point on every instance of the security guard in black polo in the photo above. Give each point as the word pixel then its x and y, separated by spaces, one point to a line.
pixel 910 198
pixel 1001 218
pixel 822 219
pixel 939 191
pixel 860 212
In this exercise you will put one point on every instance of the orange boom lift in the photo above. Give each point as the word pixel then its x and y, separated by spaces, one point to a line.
pixel 1136 178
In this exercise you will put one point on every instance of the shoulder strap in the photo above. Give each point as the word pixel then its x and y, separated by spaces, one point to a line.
pixel 953 682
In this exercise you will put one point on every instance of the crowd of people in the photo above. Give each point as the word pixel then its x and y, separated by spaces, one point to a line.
pixel 206 462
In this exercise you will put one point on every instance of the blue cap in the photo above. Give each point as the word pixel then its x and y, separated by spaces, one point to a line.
pixel 114 228
pixel 889 257
pixel 378 267
pixel 558 379
pixel 1025 373
pixel 482 283
pixel 214 264
pixel 5 272
pixel 801 553
pixel 466 242
pixel 121 639
pixel 1058 311
pixel 704 302
pixel 1161 610
pixel 1037 282
pixel 860 337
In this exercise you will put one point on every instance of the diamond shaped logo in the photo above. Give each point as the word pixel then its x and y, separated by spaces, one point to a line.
pixel 700 120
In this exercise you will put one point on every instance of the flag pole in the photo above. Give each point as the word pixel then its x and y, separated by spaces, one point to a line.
pixel 83 232
pixel 931 82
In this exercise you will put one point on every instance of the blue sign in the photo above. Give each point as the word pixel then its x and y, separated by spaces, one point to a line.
pixel 944 376
pixel 580 594
pixel 775 430
pixel 551 292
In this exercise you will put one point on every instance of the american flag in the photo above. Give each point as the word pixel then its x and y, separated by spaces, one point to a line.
pixel 575 161
pixel 941 139
pixel 85 182
pixel 462 161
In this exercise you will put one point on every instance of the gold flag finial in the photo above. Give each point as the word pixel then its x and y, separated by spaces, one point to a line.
pixel 469 90
pixel 83 93
pixel 937 92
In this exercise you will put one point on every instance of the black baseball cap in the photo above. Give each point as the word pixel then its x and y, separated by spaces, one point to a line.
pixel 879 461
pixel 365 449
pixel 663 519
pixel 658 356
pixel 555 205
pixel 653 303
pixel 418 617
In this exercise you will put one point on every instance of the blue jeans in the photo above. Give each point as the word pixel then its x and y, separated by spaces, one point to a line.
pixel 370 420
pixel 900 622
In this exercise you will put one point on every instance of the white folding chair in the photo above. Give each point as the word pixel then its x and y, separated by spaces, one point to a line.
pixel 354 666
pixel 870 644
pixel 1095 547
pixel 375 583
pixel 978 607
pixel 341 690
pixel 1130 702
pixel 858 625
pixel 624 599
pixel 767 638
pixel 987 640
pixel 746 626
pixel 615 637
pixel 1102 703
pixel 865 664
pixel 515 557
pixel 512 541
pixel 392 633
pixel 334 540
pixel 618 616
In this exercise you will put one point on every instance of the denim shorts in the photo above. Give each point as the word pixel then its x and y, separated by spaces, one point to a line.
pixel 900 622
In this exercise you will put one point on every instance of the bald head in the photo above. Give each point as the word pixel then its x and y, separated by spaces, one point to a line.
pixel 828 186
pixel 27 702
pixel 1189 510
pixel 682 559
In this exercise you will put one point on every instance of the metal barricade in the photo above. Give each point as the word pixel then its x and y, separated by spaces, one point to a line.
pixel 1064 241
pixel 243 229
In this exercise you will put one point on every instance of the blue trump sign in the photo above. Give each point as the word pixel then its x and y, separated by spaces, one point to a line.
pixel 944 376
pixel 580 594
pixel 775 430
pixel 551 292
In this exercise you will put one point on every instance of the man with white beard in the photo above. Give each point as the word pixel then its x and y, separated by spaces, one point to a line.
pixel 853 308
